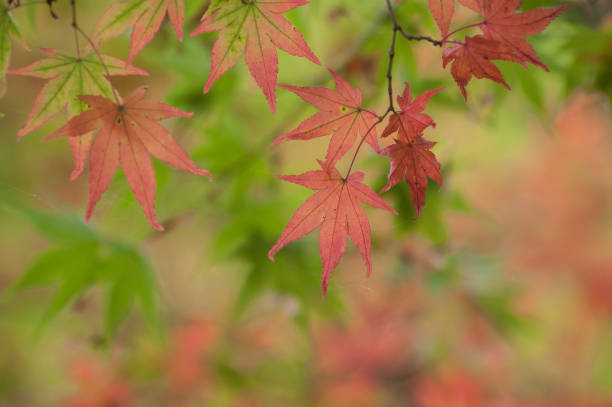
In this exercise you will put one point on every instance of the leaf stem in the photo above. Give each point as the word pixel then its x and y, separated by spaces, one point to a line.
pixel 78 29
pixel 445 39
pixel 389 76
pixel 74 24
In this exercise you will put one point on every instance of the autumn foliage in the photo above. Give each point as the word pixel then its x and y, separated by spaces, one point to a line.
pixel 125 132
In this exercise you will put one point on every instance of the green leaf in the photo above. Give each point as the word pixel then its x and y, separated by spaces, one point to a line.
pixel 69 76
pixel 77 271
pixel 8 28
pixel 82 260
pixel 132 283
pixel 62 228
pixel 45 270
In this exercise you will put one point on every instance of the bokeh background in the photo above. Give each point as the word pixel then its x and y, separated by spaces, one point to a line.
pixel 498 295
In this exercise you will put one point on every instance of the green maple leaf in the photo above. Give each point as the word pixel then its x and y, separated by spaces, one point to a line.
pixel 8 29
pixel 70 76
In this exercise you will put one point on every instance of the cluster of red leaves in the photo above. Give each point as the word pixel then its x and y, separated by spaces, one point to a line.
pixel 336 207
pixel 191 345
pixel 410 156
pixel 375 345
pixel 504 33
pixel 98 386
pixel 551 207
pixel 127 132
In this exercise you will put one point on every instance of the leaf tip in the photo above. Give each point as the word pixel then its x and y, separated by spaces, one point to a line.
pixel 271 254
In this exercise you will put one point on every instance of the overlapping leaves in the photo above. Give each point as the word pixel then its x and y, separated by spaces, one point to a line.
pixel 143 16
pixel 504 38
pixel 336 208
pixel 410 157
pixel 129 134
pixel 341 115
pixel 68 76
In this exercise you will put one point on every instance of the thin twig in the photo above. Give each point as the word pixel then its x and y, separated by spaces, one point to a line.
pixel 78 29
pixel 445 39
pixel 74 24
pixel 18 4
pixel 398 27
pixel 389 76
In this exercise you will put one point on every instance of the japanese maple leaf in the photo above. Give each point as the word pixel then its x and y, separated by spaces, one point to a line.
pixel 410 156
pixel 128 135
pixel 411 122
pixel 474 58
pixel 145 16
pixel 341 114
pixel 502 23
pixel 67 77
pixel 336 208
pixel 253 28
pixel 8 29
pixel 442 12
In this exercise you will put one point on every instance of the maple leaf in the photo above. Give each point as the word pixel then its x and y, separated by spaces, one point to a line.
pixel 336 208
pixel 410 156
pixel 442 12
pixel 502 24
pixel 8 29
pixel 411 122
pixel 128 136
pixel 474 58
pixel 145 16
pixel 341 114
pixel 253 28
pixel 67 77
pixel 413 162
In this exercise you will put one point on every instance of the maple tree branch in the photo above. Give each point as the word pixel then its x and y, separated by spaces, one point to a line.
pixel 12 5
pixel 389 74
pixel 437 43
pixel 409 37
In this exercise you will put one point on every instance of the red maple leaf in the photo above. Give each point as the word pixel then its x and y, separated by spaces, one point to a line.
pixel 341 115
pixel 145 16
pixel 128 136
pixel 502 23
pixel 411 122
pixel 253 28
pixel 410 156
pixel 413 162
pixel 442 12
pixel 474 58
pixel 336 208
